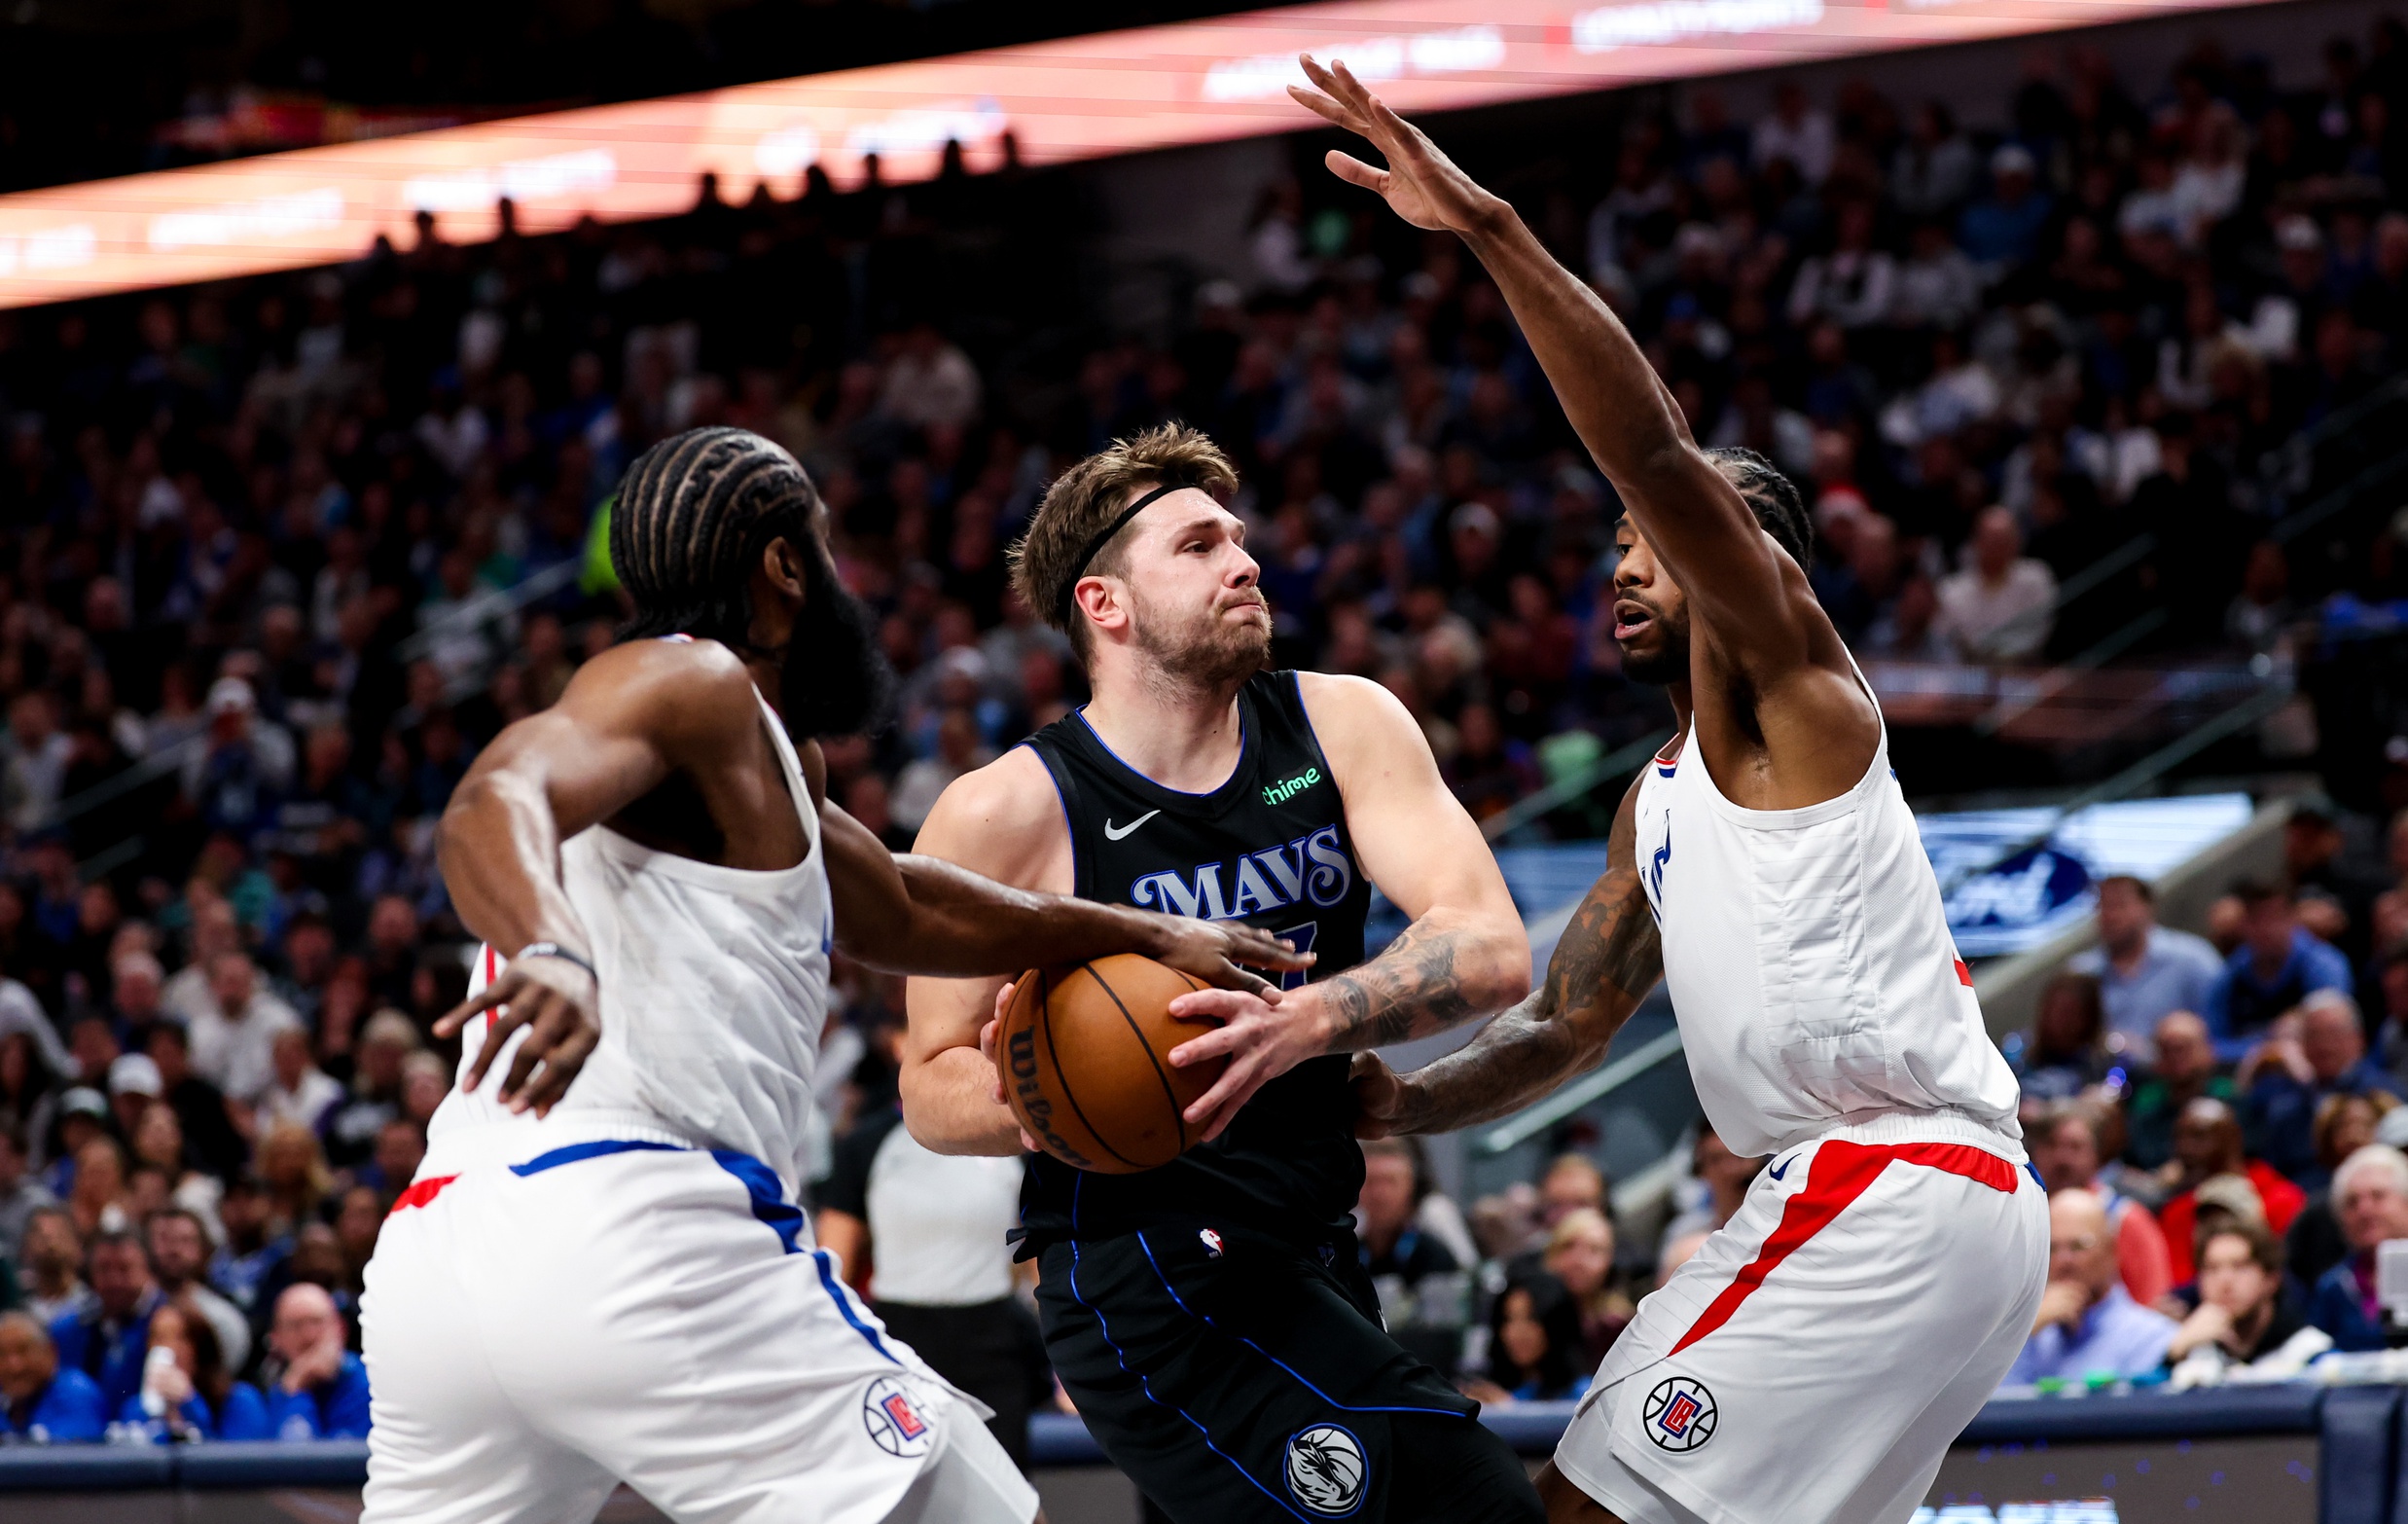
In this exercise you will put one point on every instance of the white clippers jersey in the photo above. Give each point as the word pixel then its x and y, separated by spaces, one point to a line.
pixel 715 986
pixel 1809 961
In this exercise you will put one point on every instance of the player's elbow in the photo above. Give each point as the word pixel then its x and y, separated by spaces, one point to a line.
pixel 1497 974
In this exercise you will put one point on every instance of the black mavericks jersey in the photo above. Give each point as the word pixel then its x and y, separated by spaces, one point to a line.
pixel 1269 847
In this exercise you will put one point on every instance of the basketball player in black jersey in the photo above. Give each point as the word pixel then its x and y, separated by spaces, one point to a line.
pixel 1211 1319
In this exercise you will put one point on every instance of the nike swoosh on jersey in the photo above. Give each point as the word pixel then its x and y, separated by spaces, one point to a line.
pixel 1113 833
pixel 1777 1174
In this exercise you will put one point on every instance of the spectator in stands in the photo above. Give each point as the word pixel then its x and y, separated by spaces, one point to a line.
pixel 2208 1148
pixel 1580 1256
pixel 2370 1194
pixel 179 1248
pixel 2244 1321
pixel 1535 1351
pixel 2067 1052
pixel 300 1093
pixel 107 1340
pixel 2317 1055
pixel 317 1389
pixel 2087 1321
pixel 1424 1290
pixel 2278 965
pixel 1573 1183
pixel 159 1144
pixel 199 1105
pixel 99 1199
pixel 44 1403
pixel 233 1034
pixel 195 1397
pixel 251 1265
pixel 2343 1124
pixel 2145 972
pixel 20 1195
pixel 1718 1182
pixel 2185 1071
pixel 51 1279
pixel 1999 608
pixel 2064 1149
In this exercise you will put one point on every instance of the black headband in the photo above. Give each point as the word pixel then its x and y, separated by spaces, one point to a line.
pixel 1104 534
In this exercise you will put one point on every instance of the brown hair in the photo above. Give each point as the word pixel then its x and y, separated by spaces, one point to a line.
pixel 2263 1249
pixel 1086 498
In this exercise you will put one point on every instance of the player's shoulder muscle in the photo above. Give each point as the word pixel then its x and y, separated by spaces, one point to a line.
pixel 1003 819
pixel 1360 724
pixel 687 697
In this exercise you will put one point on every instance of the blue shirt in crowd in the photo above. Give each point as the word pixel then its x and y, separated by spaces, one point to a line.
pixel 2281 1115
pixel 243 1417
pixel 2117 1335
pixel 2241 1004
pixel 337 1410
pixel 2178 972
pixel 2343 1308
pixel 111 1353
pixel 69 1411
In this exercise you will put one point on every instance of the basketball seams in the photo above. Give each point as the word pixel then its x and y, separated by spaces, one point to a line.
pixel 1062 1077
pixel 1177 1114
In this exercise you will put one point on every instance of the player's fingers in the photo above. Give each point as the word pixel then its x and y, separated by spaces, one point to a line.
pixel 511 1018
pixel 1255 946
pixel 541 1032
pixel 1228 977
pixel 1352 171
pixel 1227 1094
pixel 1230 1104
pixel 1320 105
pixel 1227 1005
pixel 1003 998
pixel 561 1065
pixel 483 999
pixel 1211 1045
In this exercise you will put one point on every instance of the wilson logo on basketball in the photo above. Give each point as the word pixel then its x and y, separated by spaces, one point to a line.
pixel 1030 1102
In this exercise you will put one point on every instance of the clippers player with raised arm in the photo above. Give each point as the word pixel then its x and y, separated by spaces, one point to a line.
pixel 1211 1319
pixel 610 1279
pixel 1817 1357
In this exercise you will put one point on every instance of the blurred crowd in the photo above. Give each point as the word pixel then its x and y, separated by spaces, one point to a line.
pixel 283 554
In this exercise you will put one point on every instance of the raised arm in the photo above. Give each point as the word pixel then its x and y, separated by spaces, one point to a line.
pixel 1738 580
pixel 630 718
pixel 1602 967
pixel 1464 954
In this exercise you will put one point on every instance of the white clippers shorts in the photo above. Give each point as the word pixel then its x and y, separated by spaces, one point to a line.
pixel 1814 1360
pixel 621 1311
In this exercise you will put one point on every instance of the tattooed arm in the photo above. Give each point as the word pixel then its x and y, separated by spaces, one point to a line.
pixel 1463 956
pixel 1607 961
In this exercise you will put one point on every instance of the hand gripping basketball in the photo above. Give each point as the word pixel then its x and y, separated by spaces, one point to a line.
pixel 1083 1057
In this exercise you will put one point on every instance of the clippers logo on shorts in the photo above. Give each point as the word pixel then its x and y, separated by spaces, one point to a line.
pixel 1326 1470
pixel 1679 1415
pixel 893 1420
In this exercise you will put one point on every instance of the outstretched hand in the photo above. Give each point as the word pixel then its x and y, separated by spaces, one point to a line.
pixel 1420 184
pixel 1221 953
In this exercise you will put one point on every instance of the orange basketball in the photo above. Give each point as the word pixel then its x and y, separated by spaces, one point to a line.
pixel 1086 1057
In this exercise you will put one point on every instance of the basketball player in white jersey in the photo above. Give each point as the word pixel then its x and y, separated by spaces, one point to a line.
pixel 611 1280
pixel 1818 1355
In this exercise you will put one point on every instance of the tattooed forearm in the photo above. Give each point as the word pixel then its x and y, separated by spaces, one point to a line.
pixel 1433 977
pixel 1603 965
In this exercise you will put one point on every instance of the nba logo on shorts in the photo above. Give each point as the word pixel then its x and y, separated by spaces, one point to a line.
pixel 893 1420
pixel 1326 1470
pixel 1679 1415
pixel 1210 1240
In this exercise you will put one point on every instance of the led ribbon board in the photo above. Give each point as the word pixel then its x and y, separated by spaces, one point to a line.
pixel 1079 97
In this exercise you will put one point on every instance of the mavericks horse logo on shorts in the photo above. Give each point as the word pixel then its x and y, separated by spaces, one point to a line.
pixel 1326 1470
pixel 1679 1415
pixel 894 1420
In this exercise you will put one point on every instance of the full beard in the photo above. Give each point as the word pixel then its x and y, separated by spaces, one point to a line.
pixel 1661 668
pixel 835 680
pixel 1207 658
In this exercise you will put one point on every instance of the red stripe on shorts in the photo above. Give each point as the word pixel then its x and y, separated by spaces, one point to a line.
pixel 1841 1173
pixel 420 1192
pixel 491 974
pixel 1964 975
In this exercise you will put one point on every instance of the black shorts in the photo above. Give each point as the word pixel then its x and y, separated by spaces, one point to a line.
pixel 1235 1377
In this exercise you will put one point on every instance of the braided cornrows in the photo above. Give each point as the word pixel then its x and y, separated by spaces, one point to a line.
pixel 1774 497
pixel 692 518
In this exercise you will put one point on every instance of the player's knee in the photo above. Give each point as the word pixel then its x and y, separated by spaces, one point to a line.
pixel 1568 1503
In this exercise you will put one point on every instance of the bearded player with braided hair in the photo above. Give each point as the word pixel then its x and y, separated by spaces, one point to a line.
pixel 610 1279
